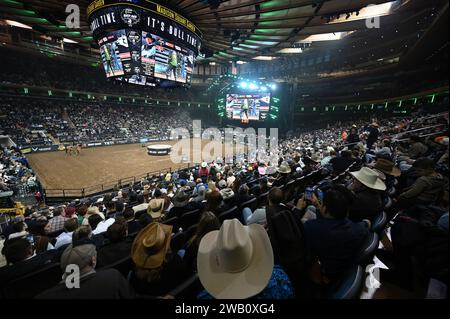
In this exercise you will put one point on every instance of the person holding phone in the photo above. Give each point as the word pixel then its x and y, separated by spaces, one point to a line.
pixel 333 239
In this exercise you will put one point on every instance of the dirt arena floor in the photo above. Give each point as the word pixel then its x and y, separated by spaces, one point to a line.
pixel 103 165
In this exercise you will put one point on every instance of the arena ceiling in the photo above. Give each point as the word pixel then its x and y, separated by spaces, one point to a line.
pixel 237 30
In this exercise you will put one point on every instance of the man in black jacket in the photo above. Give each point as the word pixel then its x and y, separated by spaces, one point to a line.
pixel 368 188
pixel 22 260
pixel 106 284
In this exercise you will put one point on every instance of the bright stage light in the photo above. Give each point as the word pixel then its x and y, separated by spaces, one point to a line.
pixel 264 88
pixel 253 86
pixel 244 85
pixel 273 86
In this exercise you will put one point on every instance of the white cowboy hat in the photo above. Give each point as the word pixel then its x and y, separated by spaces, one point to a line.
pixel 226 193
pixel 204 165
pixel 369 178
pixel 235 262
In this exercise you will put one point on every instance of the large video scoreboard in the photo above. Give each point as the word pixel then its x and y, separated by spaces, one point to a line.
pixel 142 42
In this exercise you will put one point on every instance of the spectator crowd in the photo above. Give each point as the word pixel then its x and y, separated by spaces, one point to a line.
pixel 302 227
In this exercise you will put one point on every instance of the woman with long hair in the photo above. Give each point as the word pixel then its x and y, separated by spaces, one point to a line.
pixel 208 222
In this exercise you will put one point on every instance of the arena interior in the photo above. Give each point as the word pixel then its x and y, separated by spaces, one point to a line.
pixel 224 149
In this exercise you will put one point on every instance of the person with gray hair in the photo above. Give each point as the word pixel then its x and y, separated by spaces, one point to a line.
pixel 82 281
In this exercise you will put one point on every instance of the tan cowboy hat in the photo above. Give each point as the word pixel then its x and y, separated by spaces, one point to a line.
pixel 151 245
pixel 156 207
pixel 235 262
pixel 387 167
pixel 284 169
pixel 369 178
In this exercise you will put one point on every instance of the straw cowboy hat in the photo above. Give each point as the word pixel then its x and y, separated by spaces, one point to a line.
pixel 235 262
pixel 204 165
pixel 156 207
pixel 387 167
pixel 284 169
pixel 369 178
pixel 151 245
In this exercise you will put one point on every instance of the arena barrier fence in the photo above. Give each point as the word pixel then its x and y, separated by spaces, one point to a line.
pixel 54 195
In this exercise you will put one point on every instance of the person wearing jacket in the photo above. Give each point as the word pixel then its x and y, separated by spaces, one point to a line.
pixel 426 189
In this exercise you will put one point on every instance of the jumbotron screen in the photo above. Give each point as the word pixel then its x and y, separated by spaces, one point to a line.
pixel 143 42
pixel 140 57
pixel 248 107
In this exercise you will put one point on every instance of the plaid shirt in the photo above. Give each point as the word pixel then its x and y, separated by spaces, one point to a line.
pixel 55 224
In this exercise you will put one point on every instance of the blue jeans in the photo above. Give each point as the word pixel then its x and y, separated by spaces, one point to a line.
pixel 246 213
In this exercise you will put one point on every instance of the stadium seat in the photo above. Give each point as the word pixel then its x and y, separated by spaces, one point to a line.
pixel 230 214
pixel 379 223
pixel 188 289
pixel 262 199
pixel 370 247
pixel 190 218
pixel 349 286
pixel 388 203
pixel 172 221
pixel 34 283
pixel 124 266
pixel 392 191
pixel 289 190
pixel 190 231
pixel 177 242
pixel 252 204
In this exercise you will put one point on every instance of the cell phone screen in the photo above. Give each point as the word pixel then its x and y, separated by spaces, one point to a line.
pixel 320 195
pixel 308 193
pixel 30 238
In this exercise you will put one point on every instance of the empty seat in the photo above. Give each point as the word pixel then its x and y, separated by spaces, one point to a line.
pixel 349 286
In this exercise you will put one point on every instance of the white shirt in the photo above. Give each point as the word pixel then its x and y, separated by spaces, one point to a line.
pixel 63 239
pixel 258 217
pixel 103 226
